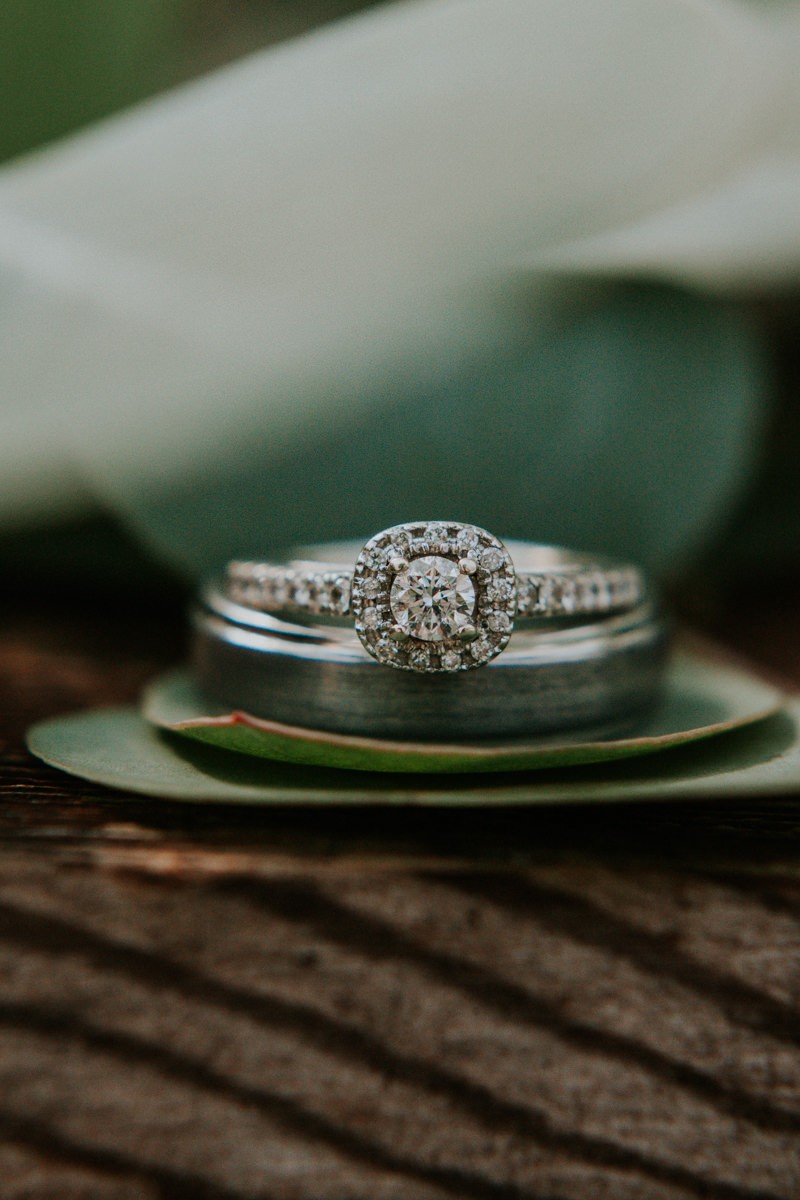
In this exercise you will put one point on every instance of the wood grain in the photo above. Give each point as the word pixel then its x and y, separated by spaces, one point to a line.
pixel 579 1005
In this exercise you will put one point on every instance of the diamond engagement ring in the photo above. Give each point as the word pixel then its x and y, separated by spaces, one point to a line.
pixel 438 596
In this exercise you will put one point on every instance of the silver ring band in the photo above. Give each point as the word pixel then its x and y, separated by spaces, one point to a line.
pixel 588 680
pixel 551 583
pixel 437 597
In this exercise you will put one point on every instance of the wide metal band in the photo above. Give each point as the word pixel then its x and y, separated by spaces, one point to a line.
pixel 590 680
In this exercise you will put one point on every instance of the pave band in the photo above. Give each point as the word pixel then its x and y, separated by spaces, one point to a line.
pixel 593 679
pixel 437 596
pixel 314 588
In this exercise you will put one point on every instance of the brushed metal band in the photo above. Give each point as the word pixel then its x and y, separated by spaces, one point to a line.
pixel 591 680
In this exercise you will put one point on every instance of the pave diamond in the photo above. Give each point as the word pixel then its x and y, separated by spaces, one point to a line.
pixel 432 599
pixel 436 532
pixel 340 594
pixel 492 559
pixel 502 590
pixel 500 622
pixel 420 657
pixel 481 649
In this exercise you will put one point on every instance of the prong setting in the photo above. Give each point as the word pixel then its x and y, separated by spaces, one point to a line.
pixel 467 566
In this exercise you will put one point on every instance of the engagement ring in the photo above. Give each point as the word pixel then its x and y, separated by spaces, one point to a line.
pixel 438 596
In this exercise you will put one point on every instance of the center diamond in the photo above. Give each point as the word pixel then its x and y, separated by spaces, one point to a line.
pixel 432 599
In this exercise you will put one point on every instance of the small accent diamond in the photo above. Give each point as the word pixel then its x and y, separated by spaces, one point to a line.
pixel 527 597
pixel 499 590
pixel 601 592
pixel 419 656
pixel 569 595
pixel 340 594
pixel 619 590
pixel 451 661
pixel 436 533
pixel 371 617
pixel 280 591
pixel 492 559
pixel 499 622
pixel 547 596
pixel 481 648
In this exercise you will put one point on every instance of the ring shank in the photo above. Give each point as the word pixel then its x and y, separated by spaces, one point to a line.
pixel 550 582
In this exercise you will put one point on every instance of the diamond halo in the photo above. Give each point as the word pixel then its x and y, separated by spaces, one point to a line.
pixel 434 596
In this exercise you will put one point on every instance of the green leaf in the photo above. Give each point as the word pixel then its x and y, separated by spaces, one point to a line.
pixel 702 697
pixel 622 419
pixel 67 62
pixel 118 748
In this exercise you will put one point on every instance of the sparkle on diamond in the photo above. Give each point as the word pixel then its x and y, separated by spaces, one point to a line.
pixel 432 600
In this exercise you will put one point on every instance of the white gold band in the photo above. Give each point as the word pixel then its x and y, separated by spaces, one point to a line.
pixel 437 596
pixel 315 589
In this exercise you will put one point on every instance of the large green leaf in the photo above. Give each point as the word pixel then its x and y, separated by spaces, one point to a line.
pixel 702 698
pixel 64 63
pixel 623 421
pixel 118 748
pixel 752 751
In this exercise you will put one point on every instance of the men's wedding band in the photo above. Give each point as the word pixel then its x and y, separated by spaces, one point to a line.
pixel 597 678
pixel 438 596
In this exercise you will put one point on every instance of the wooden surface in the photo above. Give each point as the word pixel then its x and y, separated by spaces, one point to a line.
pixel 586 1004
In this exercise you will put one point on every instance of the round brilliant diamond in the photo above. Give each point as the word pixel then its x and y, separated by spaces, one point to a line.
pixel 432 599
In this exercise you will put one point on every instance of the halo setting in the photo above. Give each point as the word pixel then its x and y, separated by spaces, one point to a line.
pixel 434 596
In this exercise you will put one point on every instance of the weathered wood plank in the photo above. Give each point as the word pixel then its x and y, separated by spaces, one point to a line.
pixel 562 1006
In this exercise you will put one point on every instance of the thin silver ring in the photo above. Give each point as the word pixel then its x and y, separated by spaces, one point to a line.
pixel 439 596
pixel 589 680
